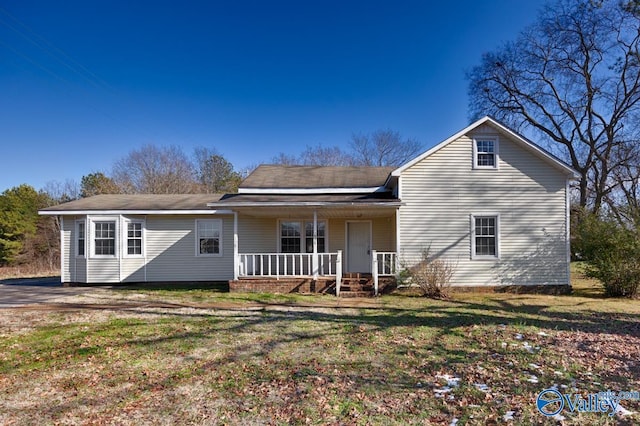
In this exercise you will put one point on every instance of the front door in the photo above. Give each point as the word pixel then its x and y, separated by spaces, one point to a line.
pixel 358 246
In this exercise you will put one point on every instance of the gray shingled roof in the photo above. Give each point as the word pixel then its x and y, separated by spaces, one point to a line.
pixel 138 202
pixel 278 177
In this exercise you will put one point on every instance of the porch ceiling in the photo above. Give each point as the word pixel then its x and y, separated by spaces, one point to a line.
pixel 300 212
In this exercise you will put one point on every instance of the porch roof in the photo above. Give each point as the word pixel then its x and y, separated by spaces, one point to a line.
pixel 374 199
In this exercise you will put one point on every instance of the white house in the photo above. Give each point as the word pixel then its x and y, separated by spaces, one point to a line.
pixel 486 198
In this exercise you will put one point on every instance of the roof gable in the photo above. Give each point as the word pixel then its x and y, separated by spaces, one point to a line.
pixel 517 138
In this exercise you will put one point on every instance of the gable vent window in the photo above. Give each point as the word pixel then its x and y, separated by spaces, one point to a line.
pixel 485 153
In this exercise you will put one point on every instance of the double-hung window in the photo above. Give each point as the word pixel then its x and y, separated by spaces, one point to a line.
pixel 485 239
pixel 104 241
pixel 134 236
pixel 81 236
pixel 209 237
pixel 297 236
pixel 485 153
pixel 290 237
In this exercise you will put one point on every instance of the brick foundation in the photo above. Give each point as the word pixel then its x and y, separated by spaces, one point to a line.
pixel 298 285
pixel 282 285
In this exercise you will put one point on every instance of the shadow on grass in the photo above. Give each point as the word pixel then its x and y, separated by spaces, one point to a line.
pixel 215 286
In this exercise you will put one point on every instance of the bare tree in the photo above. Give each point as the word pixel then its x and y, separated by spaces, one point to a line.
pixel 155 170
pixel 215 174
pixel 380 148
pixel 61 192
pixel 315 156
pixel 383 148
pixel 573 78
pixel 325 156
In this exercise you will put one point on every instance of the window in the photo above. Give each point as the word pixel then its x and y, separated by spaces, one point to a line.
pixel 134 238
pixel 309 237
pixel 209 237
pixel 485 237
pixel 105 238
pixel 290 237
pixel 293 240
pixel 80 238
pixel 485 155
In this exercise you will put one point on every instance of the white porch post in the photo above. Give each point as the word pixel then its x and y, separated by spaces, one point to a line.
pixel 338 272
pixel 236 256
pixel 314 260
pixel 71 248
pixel 374 266
pixel 397 260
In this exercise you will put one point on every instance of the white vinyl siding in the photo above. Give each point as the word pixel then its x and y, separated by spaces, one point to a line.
pixel 257 234
pixel 440 193
pixel 170 242
pixel 167 252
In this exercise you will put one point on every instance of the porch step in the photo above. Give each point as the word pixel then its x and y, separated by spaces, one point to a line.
pixel 356 285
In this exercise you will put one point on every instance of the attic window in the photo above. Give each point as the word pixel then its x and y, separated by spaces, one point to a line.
pixel 485 153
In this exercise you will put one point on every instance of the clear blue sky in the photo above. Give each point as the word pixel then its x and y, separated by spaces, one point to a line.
pixel 84 82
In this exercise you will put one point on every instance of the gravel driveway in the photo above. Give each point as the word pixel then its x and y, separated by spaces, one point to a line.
pixel 15 293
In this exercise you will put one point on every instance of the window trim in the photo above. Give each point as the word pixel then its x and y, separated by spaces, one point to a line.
pixel 125 238
pixel 79 222
pixel 303 234
pixel 496 152
pixel 472 223
pixel 197 238
pixel 93 253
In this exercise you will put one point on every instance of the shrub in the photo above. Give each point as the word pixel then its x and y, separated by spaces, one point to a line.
pixel 433 275
pixel 612 252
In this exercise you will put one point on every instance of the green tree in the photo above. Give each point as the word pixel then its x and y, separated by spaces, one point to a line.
pixel 97 183
pixel 19 220
pixel 215 174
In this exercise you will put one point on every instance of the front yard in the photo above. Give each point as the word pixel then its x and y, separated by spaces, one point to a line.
pixel 203 357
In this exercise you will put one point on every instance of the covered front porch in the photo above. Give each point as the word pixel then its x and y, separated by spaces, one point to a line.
pixel 319 248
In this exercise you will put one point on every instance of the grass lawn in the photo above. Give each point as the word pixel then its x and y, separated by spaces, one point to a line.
pixel 206 357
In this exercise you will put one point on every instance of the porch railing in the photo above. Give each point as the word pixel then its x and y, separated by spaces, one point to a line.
pixel 387 263
pixel 287 264
pixel 307 264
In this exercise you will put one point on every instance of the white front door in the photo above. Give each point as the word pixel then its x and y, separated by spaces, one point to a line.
pixel 358 246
